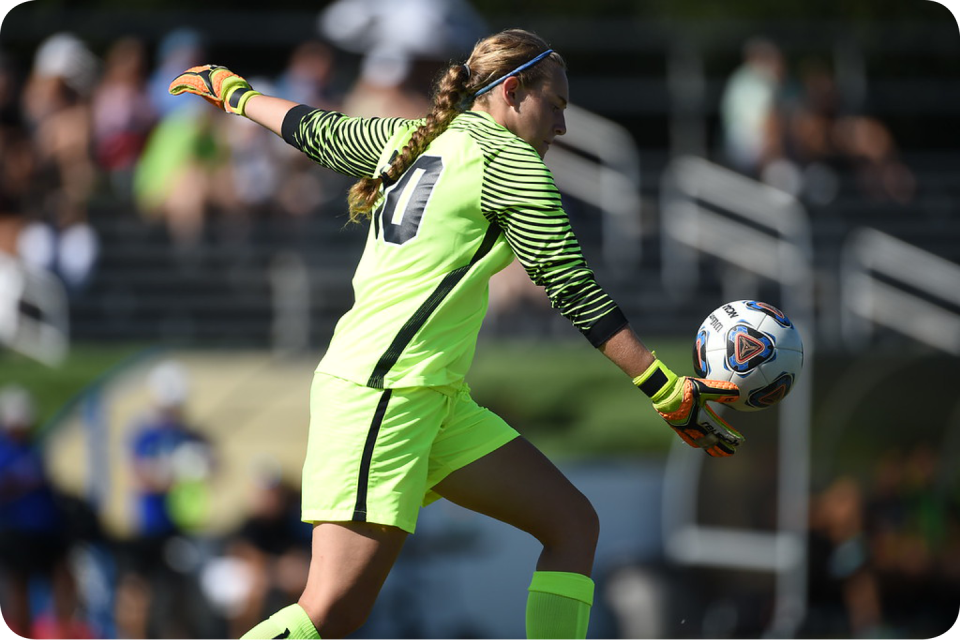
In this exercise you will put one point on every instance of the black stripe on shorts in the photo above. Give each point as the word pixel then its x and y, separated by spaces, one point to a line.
pixel 363 481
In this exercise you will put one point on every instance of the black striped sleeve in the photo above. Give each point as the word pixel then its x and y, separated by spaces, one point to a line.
pixel 519 194
pixel 351 146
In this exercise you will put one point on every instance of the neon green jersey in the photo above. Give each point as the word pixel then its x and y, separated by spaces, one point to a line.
pixel 475 198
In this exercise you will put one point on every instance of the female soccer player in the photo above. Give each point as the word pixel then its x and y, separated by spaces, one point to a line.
pixel 451 199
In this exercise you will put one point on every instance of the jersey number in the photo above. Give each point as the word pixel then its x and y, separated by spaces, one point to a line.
pixel 405 201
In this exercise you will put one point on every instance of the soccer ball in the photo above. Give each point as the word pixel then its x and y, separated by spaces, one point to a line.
pixel 754 345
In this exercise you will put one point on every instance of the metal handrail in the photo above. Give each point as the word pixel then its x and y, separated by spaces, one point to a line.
pixel 876 268
pixel 44 335
pixel 598 162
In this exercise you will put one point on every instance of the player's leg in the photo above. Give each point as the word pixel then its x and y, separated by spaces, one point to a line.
pixel 349 563
pixel 364 477
pixel 518 485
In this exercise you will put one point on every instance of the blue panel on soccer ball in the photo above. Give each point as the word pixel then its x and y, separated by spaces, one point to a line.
pixel 772 393
pixel 771 311
pixel 747 348
pixel 700 363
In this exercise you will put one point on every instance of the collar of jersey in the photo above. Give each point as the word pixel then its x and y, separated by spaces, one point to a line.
pixel 489 118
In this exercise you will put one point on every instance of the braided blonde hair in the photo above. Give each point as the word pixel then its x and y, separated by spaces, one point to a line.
pixel 492 58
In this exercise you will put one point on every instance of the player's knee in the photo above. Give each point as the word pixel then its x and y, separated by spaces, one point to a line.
pixel 587 523
pixel 578 525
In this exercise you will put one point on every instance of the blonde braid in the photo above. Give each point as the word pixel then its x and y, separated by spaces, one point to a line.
pixel 448 102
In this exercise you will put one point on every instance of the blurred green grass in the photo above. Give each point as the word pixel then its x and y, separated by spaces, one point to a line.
pixel 569 400
pixel 563 395
pixel 55 388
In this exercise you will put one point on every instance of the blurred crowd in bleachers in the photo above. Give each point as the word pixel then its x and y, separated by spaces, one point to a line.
pixel 64 574
pixel 789 126
pixel 885 550
pixel 78 127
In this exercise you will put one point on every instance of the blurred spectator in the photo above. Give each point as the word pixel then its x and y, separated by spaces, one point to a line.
pixel 255 165
pixel 844 593
pixel 123 113
pixel 873 156
pixel 914 536
pixel 180 49
pixel 17 159
pixel 56 105
pixel 176 177
pixel 167 453
pixel 266 559
pixel 308 78
pixel 383 90
pixel 823 140
pixel 33 542
pixel 749 108
pixel 798 137
pixel 171 466
pixel 435 29
pixel 398 42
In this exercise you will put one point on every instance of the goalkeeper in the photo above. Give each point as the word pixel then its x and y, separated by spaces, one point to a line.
pixel 451 199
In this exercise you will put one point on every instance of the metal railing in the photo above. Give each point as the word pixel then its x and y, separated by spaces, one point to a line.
pixel 891 283
pixel 598 162
pixel 34 312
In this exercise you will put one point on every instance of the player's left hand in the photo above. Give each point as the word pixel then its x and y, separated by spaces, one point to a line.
pixel 681 401
pixel 217 85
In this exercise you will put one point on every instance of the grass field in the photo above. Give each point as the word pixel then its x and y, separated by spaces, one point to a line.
pixel 560 393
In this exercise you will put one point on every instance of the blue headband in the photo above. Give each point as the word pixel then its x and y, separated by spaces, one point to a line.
pixel 513 73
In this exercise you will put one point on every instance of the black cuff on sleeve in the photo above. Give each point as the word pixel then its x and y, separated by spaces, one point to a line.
pixel 291 123
pixel 606 327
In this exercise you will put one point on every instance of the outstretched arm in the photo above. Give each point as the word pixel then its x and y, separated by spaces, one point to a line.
pixel 268 111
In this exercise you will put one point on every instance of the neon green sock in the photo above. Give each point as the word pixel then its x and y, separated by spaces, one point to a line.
pixel 558 605
pixel 290 622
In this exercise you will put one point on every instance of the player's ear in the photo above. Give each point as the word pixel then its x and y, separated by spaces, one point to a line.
pixel 510 90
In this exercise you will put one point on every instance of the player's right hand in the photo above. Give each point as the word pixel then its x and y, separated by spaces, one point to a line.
pixel 217 85
pixel 681 401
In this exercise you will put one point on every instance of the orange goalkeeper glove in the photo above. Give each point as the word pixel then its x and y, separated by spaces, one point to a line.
pixel 217 85
pixel 681 401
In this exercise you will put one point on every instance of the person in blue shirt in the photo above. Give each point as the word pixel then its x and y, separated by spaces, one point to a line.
pixel 32 539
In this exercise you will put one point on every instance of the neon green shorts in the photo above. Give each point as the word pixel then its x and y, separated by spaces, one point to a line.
pixel 374 455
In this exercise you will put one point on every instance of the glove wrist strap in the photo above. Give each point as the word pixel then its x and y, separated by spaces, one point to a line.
pixel 653 380
pixel 237 99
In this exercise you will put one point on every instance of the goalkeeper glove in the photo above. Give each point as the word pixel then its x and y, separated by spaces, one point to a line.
pixel 681 401
pixel 217 85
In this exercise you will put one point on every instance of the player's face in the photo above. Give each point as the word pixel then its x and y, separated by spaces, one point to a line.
pixel 538 117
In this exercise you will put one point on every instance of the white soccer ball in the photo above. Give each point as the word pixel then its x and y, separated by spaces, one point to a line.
pixel 754 345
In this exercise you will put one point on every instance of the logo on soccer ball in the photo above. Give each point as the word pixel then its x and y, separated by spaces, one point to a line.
pixel 747 348
pixel 772 393
pixel 771 311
